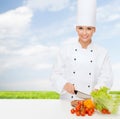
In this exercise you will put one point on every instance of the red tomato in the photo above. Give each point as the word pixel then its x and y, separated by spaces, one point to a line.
pixel 80 103
pixel 77 107
pixel 72 111
pixel 86 110
pixel 83 113
pixel 108 112
pixel 105 111
pixel 81 109
pixel 92 110
pixel 89 113
pixel 78 113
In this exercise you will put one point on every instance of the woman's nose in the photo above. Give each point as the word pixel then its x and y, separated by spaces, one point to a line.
pixel 84 31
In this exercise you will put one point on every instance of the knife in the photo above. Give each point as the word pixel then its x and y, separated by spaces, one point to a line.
pixel 82 95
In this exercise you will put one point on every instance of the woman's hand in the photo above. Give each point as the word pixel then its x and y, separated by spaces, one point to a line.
pixel 69 88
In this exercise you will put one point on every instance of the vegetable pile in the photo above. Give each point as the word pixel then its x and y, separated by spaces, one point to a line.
pixel 83 107
pixel 104 101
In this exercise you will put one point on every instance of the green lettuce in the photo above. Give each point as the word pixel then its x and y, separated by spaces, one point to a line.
pixel 104 100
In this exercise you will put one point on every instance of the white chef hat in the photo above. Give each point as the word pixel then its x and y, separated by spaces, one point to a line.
pixel 86 14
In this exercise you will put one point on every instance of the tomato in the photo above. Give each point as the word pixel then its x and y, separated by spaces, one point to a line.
pixel 105 111
pixel 83 113
pixel 108 112
pixel 79 102
pixel 86 110
pixel 72 111
pixel 89 113
pixel 78 113
pixel 78 107
pixel 83 107
pixel 92 110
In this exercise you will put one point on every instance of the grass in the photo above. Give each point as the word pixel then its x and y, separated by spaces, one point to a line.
pixel 115 92
pixel 38 94
pixel 28 95
pixel 116 95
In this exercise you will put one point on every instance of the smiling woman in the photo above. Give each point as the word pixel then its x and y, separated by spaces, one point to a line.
pixel 31 32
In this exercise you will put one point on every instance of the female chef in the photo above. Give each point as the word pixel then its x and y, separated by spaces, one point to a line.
pixel 82 65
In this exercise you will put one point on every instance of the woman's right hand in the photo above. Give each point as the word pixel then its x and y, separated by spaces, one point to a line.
pixel 69 88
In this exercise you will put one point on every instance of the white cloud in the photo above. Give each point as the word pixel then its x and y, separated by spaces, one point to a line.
pixel 27 85
pixel 13 26
pixel 70 40
pixel 15 22
pixel 50 5
pixel 37 57
pixel 116 74
pixel 54 34
pixel 109 12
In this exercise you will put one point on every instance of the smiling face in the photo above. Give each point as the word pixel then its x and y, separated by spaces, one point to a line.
pixel 85 34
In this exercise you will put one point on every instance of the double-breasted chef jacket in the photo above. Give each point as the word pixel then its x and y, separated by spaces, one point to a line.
pixel 87 69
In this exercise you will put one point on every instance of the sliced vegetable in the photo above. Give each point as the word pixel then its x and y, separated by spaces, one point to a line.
pixel 89 104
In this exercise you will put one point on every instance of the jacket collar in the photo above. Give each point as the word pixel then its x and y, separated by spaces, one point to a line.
pixel 90 46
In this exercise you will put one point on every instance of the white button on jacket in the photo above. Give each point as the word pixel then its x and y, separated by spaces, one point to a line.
pixel 87 69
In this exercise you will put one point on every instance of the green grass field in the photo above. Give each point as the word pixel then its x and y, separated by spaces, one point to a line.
pixel 28 95
pixel 37 94
pixel 115 92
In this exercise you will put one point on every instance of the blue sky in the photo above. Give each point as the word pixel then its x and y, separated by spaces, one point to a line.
pixel 32 30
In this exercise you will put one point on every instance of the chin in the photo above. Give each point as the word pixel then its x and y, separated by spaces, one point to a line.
pixel 85 40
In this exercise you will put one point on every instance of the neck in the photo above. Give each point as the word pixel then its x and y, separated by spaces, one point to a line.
pixel 84 44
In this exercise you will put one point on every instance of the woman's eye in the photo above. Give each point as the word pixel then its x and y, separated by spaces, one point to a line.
pixel 80 28
pixel 89 28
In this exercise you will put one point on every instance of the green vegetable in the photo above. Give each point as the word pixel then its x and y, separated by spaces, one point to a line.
pixel 104 100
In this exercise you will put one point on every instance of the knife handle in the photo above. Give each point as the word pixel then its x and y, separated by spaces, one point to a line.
pixel 75 91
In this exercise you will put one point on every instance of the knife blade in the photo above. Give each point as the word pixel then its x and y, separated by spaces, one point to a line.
pixel 82 95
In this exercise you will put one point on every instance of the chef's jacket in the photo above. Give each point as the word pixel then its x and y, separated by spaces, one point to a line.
pixel 87 69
